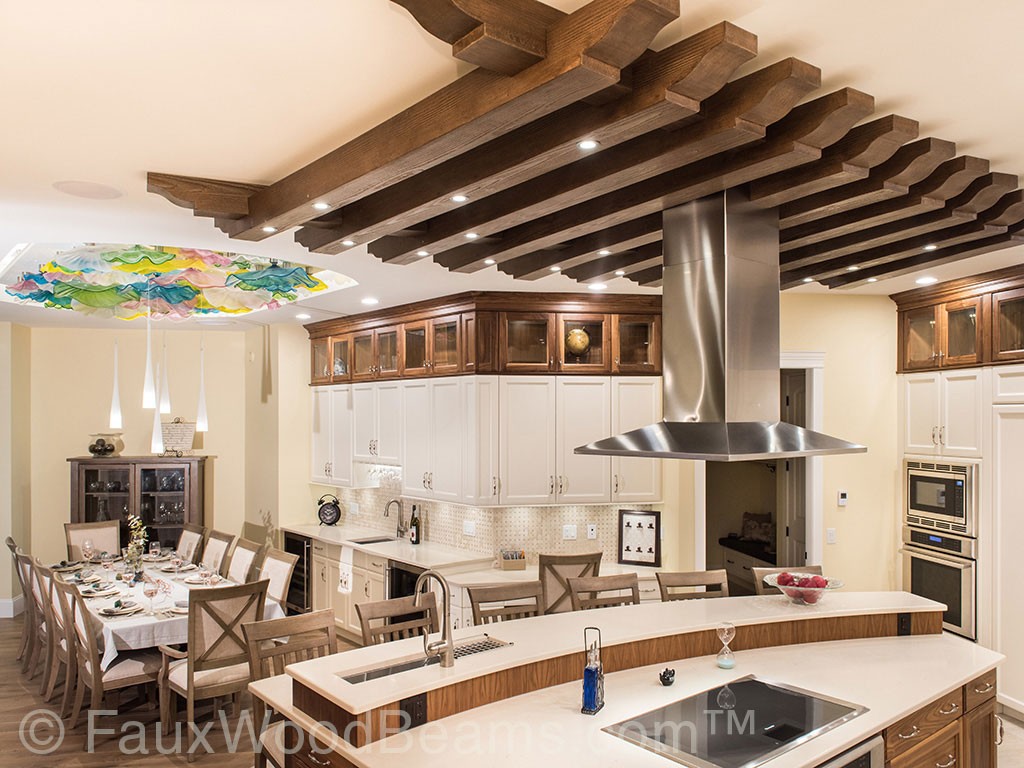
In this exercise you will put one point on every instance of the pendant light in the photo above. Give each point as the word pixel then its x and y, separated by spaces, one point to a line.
pixel 202 423
pixel 165 390
pixel 157 443
pixel 149 383
pixel 115 398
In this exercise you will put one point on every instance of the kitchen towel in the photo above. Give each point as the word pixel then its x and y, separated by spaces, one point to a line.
pixel 345 571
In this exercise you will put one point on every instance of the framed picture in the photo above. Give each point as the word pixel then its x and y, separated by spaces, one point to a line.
pixel 640 537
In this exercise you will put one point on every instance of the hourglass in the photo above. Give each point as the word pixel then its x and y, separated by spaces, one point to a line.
pixel 725 658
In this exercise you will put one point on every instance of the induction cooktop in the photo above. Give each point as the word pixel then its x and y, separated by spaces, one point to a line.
pixel 739 725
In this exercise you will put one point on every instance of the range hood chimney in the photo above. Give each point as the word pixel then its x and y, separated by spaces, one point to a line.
pixel 720 321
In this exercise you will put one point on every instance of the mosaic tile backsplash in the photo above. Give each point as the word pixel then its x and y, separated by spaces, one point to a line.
pixel 534 529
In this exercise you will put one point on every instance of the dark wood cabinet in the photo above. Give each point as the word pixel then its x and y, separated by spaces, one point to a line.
pixel 636 344
pixel 979 736
pixel 527 342
pixel 584 343
pixel 1008 326
pixel 166 492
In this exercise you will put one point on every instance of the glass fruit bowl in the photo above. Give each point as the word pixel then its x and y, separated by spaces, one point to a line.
pixel 805 588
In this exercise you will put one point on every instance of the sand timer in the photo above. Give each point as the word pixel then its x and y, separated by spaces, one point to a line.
pixel 726 633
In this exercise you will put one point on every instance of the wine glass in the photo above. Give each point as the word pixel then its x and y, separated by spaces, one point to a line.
pixel 107 561
pixel 150 590
pixel 154 549
pixel 87 549
pixel 205 573
pixel 177 561
pixel 726 633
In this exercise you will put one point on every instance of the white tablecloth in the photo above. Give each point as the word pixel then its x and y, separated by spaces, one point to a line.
pixel 140 631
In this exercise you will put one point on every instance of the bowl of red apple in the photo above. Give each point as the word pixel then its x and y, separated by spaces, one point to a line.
pixel 802 588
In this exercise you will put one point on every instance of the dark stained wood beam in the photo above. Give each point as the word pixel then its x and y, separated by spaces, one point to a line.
pixel 849 159
pixel 911 164
pixel 667 87
pixel 793 140
pixel 602 268
pixel 206 197
pixel 650 277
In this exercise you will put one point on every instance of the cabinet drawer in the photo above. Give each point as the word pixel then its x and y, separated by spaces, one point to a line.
pixel 649 590
pixel 979 690
pixel 372 563
pixel 300 753
pixel 942 750
pixel 916 728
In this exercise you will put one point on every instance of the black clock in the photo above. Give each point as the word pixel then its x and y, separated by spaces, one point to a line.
pixel 330 509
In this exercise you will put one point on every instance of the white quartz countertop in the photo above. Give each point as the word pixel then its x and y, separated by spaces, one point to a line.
pixel 892 677
pixel 465 578
pixel 425 555
pixel 545 637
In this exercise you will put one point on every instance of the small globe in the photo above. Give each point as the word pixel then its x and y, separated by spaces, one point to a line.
pixel 577 341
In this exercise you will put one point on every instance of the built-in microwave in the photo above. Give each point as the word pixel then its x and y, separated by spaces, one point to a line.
pixel 941 495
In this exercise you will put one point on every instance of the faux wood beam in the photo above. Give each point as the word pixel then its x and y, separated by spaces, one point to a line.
pixel 602 268
pixel 792 141
pixel 649 278
pixel 911 164
pixel 667 87
pixel 849 159
pixel 205 197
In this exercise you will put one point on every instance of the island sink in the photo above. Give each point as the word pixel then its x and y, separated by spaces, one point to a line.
pixel 467 647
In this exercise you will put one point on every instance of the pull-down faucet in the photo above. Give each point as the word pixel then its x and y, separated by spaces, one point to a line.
pixel 444 648
pixel 402 529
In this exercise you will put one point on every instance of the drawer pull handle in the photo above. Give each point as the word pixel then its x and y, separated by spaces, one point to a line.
pixel 999 730
pixel 950 762
pixel 914 733
pixel 953 707
pixel 983 688
pixel 317 761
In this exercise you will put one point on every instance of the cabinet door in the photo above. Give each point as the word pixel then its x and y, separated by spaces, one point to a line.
pixel 416 448
pixel 584 414
pixel 584 344
pixel 527 447
pixel 447 434
pixel 1008 531
pixel 387 344
pixel 415 352
pixel 446 345
pixel 636 343
pixel 1008 384
pixel 1008 325
pixel 367 587
pixel 319 362
pixel 921 416
pixel 320 455
pixel 962 332
pixel 341 358
pixel 335 599
pixel 919 339
pixel 481 481
pixel 636 402
pixel 364 366
pixel 526 342
pixel 979 736
pixel 340 465
pixel 388 448
pixel 321 593
pixel 960 425
pixel 364 421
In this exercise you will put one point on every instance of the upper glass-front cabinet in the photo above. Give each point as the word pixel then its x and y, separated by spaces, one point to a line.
pixel 920 332
pixel 331 359
pixel 583 343
pixel 962 337
pixel 445 344
pixel 1008 325
pixel 527 342
pixel 320 367
pixel 636 343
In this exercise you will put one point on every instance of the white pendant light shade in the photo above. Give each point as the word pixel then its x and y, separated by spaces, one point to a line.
pixel 202 423
pixel 157 443
pixel 115 398
pixel 149 383
pixel 165 390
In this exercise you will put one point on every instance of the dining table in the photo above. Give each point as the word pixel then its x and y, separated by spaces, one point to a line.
pixel 167 624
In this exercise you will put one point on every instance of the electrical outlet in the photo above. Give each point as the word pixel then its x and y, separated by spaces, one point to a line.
pixel 469 527
pixel 591 530
pixel 353 508
pixel 568 532
pixel 830 535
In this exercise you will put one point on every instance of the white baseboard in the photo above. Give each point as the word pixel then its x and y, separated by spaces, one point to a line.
pixel 1013 707
pixel 11 606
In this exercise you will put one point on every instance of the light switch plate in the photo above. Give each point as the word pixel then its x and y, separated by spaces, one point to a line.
pixel 591 530
pixel 353 508
pixel 841 498
pixel 469 527
pixel 830 535
pixel 568 532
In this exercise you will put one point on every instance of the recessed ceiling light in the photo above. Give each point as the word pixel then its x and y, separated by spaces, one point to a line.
pixel 620 272
pixel 872 279
pixel 489 262
pixel 348 243
pixel 555 269
pixel 88 189
pixel 854 268
pixel 321 206
pixel 926 280
pixel 472 235
pixel 270 230
pixel 604 252
pixel 459 198
pixel 422 253
pixel 302 316
pixel 931 247
pixel 808 279
pixel 587 144
pixel 370 301
pixel 597 286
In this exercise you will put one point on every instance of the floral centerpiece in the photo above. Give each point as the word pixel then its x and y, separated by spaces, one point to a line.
pixel 136 545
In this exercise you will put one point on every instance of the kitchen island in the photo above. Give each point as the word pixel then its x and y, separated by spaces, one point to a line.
pixel 520 703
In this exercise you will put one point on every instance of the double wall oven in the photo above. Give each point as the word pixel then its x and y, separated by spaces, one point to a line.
pixel 939 538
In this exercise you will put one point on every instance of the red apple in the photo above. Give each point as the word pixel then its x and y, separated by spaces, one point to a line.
pixel 785 579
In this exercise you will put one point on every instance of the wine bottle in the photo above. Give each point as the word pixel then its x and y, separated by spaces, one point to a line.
pixel 414 526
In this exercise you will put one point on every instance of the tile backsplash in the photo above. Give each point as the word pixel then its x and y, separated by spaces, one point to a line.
pixel 534 529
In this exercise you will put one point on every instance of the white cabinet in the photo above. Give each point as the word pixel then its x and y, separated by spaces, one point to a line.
pixel 527 446
pixel 320 455
pixel 636 402
pixel 367 587
pixel 377 422
pixel 481 482
pixel 416 450
pixel 331 455
pixel 321 597
pixel 942 412
pixel 434 435
pixel 583 414
pixel 1008 384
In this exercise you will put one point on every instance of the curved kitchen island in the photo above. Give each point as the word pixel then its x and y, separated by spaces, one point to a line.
pixel 519 703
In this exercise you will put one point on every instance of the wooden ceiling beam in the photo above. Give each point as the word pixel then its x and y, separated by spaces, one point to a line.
pixel 650 277
pixel 795 139
pixel 667 87
pixel 586 51
pixel 205 197
pixel 911 164
pixel 849 159
pixel 601 268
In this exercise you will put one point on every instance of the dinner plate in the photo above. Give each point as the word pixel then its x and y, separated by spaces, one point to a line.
pixel 109 592
pixel 124 610
pixel 179 610
pixel 157 559
pixel 194 580
pixel 183 569
pixel 92 578
pixel 69 568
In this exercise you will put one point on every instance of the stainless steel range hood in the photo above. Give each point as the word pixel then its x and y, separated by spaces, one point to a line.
pixel 720 336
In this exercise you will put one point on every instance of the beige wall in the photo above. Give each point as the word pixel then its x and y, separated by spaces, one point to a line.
pixel 262 440
pixel 71 386
pixel 15 459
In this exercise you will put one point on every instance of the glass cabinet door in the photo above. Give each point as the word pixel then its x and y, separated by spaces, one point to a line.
pixel 415 359
pixel 106 491
pixel 320 370
pixel 445 346
pixel 526 341
pixel 363 365
pixel 387 352
pixel 963 332
pixel 920 339
pixel 636 344
pixel 340 360
pixel 1008 325
pixel 583 343
pixel 163 501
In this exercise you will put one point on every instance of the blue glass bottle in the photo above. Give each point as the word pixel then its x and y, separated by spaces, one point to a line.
pixel 593 675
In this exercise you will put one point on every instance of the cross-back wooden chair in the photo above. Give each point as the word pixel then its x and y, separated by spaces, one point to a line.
pixel 277 568
pixel 190 543
pixel 66 646
pixel 591 592
pixel 105 537
pixel 38 654
pixel 425 618
pixel 215 552
pixel 26 626
pixel 274 644
pixel 42 589
pixel 716 584
pixel 507 601
pixel 33 621
pixel 246 557
pixel 761 588
pixel 217 660
pixel 555 570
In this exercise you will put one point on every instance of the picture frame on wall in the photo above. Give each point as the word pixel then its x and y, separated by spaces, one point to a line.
pixel 640 537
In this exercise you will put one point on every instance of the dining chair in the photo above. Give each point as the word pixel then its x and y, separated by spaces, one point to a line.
pixel 245 559
pixel 105 537
pixel 190 543
pixel 56 635
pixel 394 615
pixel 216 662
pixel 26 625
pixel 555 570
pixel 507 601
pixel 761 588
pixel 129 668
pixel 277 568
pixel 42 585
pixel 33 621
pixel 39 654
pixel 215 553
pixel 716 584
pixel 65 648
pixel 592 592
pixel 273 644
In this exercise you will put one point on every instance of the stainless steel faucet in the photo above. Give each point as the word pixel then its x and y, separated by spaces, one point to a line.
pixel 444 647
pixel 402 529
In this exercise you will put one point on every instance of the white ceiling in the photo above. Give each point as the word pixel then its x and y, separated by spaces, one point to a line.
pixel 250 90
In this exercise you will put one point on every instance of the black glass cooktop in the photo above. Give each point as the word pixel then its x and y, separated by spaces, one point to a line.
pixel 739 725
